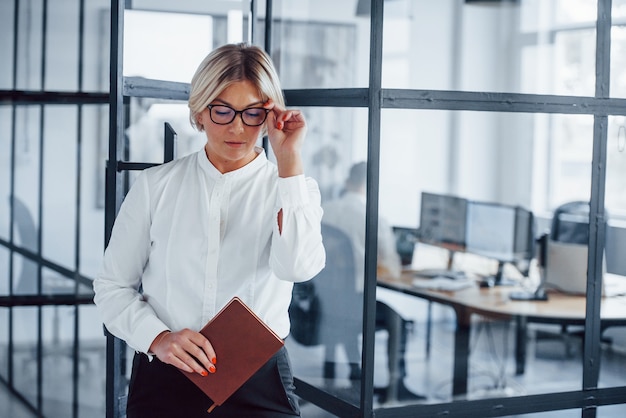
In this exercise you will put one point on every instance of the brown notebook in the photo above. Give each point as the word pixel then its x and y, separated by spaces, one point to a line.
pixel 242 342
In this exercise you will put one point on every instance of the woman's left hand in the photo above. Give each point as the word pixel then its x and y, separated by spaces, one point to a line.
pixel 286 129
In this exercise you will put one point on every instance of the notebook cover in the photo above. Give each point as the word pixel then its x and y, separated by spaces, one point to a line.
pixel 242 342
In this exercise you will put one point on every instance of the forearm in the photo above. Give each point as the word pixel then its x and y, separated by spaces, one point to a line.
pixel 289 164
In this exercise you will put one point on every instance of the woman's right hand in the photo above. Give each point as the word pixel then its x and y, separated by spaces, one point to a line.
pixel 182 348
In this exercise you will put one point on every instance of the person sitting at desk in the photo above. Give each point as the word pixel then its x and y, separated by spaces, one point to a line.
pixel 347 213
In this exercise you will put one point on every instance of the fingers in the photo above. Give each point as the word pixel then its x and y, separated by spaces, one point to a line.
pixel 187 350
pixel 282 118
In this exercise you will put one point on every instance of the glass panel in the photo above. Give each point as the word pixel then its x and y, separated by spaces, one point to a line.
pixel 29 47
pixel 4 271
pixel 325 343
pixel 62 56
pixel 618 44
pixel 470 246
pixel 26 176
pixel 57 360
pixel 151 52
pixel 5 170
pixel 25 325
pixel 6 44
pixel 614 280
pixel 145 133
pixel 321 44
pixel 25 275
pixel 570 153
pixel 483 46
pixel 59 184
pixel 96 51
pixel 611 411
pixel 92 357
pixel 95 132
pixel 4 342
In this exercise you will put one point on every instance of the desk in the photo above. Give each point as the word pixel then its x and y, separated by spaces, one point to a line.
pixel 495 303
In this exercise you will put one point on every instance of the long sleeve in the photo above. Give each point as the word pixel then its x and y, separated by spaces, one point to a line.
pixel 297 251
pixel 123 309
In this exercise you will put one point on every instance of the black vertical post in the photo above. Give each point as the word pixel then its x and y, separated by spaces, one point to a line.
pixel 371 222
pixel 268 48
pixel 115 386
pixel 597 221
pixel 169 143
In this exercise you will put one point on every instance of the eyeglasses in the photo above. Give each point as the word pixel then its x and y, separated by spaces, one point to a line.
pixel 223 115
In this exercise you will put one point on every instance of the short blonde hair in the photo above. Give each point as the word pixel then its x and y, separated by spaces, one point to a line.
pixel 226 65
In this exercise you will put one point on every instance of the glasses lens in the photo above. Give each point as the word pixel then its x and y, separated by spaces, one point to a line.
pixel 254 116
pixel 222 114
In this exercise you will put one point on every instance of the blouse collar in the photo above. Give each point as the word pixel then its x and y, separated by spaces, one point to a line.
pixel 214 173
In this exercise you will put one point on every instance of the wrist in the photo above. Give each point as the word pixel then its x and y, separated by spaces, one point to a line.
pixel 289 165
pixel 157 340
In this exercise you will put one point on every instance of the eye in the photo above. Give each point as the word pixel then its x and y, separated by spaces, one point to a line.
pixel 222 110
pixel 254 112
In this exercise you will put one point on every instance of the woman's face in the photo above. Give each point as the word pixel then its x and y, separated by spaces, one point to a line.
pixel 231 146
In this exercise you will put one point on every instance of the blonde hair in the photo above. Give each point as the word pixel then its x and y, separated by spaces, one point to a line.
pixel 229 64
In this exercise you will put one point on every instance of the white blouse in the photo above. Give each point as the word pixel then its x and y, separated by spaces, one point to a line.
pixel 193 238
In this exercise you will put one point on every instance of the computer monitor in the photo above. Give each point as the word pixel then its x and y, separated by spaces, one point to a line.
pixel 497 231
pixel 443 220
pixel 501 232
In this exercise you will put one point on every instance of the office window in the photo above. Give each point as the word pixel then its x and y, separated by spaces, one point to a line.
pixel 492 157
pixel 152 52
pixel 481 46
pixel 331 148
pixel 318 49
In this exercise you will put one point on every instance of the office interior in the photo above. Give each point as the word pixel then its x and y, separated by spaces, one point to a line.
pixel 515 103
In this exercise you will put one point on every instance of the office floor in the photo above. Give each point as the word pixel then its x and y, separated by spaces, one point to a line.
pixel 491 374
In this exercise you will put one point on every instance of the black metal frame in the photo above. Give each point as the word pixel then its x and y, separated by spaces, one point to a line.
pixel 375 98
pixel 16 98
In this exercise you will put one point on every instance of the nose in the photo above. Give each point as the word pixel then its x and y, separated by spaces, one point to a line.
pixel 237 124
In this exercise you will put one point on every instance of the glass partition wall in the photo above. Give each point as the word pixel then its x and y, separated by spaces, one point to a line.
pixel 509 103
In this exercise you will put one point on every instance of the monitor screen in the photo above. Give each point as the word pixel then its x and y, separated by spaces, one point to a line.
pixel 497 231
pixel 443 221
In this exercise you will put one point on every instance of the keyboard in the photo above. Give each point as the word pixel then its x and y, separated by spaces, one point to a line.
pixel 432 273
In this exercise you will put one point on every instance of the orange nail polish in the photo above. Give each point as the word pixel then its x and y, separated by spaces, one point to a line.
pixel 280 125
pixel 214 360
pixel 204 373
pixel 212 369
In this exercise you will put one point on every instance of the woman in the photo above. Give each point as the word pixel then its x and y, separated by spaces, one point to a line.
pixel 219 223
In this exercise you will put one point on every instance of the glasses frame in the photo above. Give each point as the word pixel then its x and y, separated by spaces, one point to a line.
pixel 240 112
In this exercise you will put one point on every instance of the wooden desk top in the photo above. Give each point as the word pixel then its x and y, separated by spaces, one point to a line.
pixel 495 302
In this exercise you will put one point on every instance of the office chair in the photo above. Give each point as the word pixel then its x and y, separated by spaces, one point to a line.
pixel 338 304
pixel 570 224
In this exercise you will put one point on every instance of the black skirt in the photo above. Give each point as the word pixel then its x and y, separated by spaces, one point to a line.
pixel 160 390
